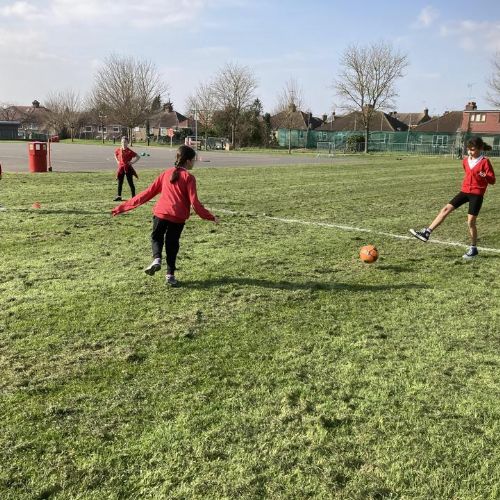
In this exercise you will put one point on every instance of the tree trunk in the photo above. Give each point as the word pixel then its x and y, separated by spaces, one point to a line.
pixel 367 133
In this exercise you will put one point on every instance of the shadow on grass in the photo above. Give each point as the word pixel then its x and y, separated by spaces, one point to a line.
pixel 292 285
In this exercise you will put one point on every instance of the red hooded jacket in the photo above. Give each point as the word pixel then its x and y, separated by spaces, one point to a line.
pixel 175 200
pixel 474 183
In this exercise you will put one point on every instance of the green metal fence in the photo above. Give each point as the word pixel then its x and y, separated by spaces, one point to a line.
pixel 413 143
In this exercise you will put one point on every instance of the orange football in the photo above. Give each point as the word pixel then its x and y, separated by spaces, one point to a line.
pixel 368 254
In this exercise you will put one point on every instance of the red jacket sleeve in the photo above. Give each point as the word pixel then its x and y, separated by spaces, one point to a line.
pixel 139 199
pixel 490 174
pixel 200 210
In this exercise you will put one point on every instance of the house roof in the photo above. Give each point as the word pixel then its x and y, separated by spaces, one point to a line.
pixel 35 114
pixel 297 120
pixel 412 119
pixel 450 123
pixel 353 121
pixel 170 119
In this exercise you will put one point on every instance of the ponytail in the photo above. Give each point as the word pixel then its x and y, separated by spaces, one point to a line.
pixel 184 154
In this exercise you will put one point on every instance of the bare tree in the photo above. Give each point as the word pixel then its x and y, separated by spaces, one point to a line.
pixel 234 87
pixel 290 96
pixel 65 108
pixel 203 104
pixel 8 112
pixel 494 82
pixel 125 89
pixel 367 80
pixel 290 100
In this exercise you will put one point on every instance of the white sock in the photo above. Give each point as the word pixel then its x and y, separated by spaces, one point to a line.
pixel 157 260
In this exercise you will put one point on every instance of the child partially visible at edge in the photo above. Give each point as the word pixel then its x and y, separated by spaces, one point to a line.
pixel 177 189
pixel 125 158
pixel 478 174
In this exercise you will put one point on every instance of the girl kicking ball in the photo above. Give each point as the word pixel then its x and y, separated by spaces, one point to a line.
pixel 177 189
pixel 478 174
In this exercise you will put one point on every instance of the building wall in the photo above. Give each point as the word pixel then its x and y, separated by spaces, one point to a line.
pixel 481 122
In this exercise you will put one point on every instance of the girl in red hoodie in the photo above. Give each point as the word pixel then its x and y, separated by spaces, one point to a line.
pixel 478 174
pixel 177 189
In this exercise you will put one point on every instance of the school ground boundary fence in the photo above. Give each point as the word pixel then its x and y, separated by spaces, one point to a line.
pixel 409 143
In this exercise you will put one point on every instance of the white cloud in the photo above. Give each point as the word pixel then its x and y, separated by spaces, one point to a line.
pixel 19 9
pixel 472 35
pixel 142 14
pixel 426 17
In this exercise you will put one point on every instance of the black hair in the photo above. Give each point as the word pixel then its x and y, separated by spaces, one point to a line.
pixel 478 143
pixel 184 154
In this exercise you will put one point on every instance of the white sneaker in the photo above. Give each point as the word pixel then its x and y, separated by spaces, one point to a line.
pixel 153 267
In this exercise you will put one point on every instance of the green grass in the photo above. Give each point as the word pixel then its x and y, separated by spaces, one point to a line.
pixel 282 368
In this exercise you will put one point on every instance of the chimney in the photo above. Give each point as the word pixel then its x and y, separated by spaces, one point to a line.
pixel 333 116
pixel 470 106
pixel 426 112
pixel 324 118
pixel 168 107
pixel 292 107
pixel 35 104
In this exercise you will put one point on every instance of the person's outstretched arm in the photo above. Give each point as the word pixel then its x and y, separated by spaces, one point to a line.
pixel 141 198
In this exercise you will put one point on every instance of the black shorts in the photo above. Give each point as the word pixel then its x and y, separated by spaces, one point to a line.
pixel 475 201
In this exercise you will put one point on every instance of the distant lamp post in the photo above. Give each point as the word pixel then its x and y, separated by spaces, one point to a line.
pixel 72 132
pixel 102 118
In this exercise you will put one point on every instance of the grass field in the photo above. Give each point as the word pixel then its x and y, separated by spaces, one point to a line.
pixel 283 367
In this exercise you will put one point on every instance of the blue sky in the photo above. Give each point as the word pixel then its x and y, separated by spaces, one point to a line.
pixel 54 45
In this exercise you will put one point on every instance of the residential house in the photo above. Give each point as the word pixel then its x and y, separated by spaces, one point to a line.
pixel 439 134
pixel 162 121
pixel 482 122
pixel 412 119
pixel 292 127
pixel 336 131
pixel 33 120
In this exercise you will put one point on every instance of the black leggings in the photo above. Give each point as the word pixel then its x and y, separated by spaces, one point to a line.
pixel 130 180
pixel 169 233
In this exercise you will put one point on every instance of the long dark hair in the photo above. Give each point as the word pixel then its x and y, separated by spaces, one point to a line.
pixel 184 154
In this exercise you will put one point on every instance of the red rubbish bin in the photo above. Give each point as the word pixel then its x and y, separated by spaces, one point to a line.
pixel 37 152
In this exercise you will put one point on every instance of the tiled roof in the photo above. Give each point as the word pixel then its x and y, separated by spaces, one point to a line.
pixel 449 122
pixel 169 119
pixel 296 120
pixel 412 119
pixel 353 121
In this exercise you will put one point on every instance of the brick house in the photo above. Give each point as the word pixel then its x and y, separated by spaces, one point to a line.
pixel 482 122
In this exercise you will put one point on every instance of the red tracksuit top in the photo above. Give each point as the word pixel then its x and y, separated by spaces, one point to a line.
pixel 473 183
pixel 124 156
pixel 175 200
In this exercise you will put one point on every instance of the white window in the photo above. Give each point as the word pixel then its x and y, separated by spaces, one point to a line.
pixel 88 129
pixel 102 129
pixel 478 117
pixel 116 129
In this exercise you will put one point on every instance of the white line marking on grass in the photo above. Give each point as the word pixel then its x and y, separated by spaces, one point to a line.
pixel 357 230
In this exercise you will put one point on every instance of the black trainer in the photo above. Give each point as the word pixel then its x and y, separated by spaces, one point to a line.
pixel 423 235
pixel 118 198
pixel 170 280
pixel 471 253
